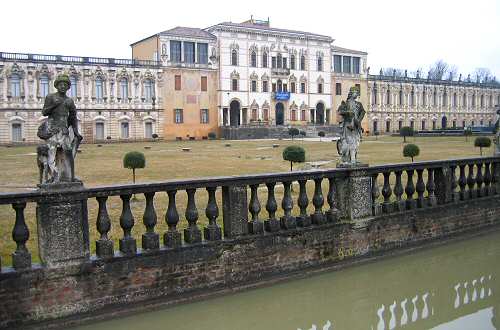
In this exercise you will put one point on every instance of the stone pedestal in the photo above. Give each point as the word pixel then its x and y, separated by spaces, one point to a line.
pixel 235 211
pixel 353 194
pixel 63 232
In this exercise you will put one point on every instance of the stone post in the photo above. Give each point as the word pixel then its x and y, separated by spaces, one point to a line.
pixel 353 194
pixel 62 222
pixel 442 179
pixel 235 211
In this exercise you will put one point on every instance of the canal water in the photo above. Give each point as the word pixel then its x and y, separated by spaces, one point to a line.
pixel 450 287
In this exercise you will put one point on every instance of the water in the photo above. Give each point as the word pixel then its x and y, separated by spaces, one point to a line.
pixel 445 288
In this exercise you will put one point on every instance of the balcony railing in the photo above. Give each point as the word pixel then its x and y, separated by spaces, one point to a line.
pixel 34 58
pixel 183 64
pixel 404 187
pixel 420 80
pixel 280 71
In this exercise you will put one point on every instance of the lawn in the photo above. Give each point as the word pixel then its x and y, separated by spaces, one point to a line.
pixel 166 160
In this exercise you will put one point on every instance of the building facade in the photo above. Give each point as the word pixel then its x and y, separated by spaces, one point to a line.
pixel 185 83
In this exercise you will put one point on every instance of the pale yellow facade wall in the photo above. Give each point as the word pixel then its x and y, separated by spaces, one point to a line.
pixel 191 100
pixel 348 81
pixel 145 49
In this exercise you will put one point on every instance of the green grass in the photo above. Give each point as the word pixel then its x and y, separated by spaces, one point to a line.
pixel 166 160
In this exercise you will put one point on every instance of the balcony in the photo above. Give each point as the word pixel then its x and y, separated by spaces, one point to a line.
pixel 183 64
pixel 280 72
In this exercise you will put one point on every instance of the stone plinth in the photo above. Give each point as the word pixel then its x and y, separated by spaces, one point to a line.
pixel 63 233
pixel 235 207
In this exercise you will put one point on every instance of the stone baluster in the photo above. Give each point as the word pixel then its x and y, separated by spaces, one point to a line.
pixel 318 218
pixel 172 238
pixel 487 179
pixel 471 181
pixel 420 188
pixel 212 231
pixel 103 246
pixel 431 187
pixel 192 234
pixel 332 213
pixel 303 220
pixel 454 184
pixel 387 192
pixel 287 221
pixel 399 204
pixel 127 243
pixel 255 226
pixel 462 182
pixel 495 177
pixel 150 239
pixel 21 258
pixel 272 224
pixel 410 190
pixel 479 179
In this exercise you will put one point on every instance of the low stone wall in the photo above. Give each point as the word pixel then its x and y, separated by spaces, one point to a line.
pixel 274 132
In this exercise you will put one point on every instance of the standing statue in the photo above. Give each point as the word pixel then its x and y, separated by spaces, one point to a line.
pixel 56 159
pixel 497 132
pixel 352 113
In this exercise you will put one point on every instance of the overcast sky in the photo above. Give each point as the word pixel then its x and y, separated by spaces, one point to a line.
pixel 403 34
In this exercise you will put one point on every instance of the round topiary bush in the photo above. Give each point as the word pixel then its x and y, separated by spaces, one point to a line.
pixel 133 160
pixel 294 154
pixel 321 135
pixel 406 131
pixel 154 136
pixel 482 142
pixel 293 132
pixel 411 150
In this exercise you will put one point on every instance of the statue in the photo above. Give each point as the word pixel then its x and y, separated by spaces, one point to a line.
pixel 497 132
pixel 60 133
pixel 352 113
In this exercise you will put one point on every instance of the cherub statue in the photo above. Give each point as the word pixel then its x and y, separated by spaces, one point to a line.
pixel 60 133
pixel 352 113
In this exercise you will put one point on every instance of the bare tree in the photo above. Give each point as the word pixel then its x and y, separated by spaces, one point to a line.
pixel 392 72
pixel 438 70
pixel 482 75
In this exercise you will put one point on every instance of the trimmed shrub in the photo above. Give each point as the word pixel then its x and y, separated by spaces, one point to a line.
pixel 482 142
pixel 406 131
pixel 293 132
pixel 294 154
pixel 133 160
pixel 321 135
pixel 411 150
pixel 154 136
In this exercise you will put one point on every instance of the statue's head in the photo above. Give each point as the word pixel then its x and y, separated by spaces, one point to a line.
pixel 62 83
pixel 353 93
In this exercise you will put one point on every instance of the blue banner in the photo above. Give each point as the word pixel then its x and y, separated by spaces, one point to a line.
pixel 282 96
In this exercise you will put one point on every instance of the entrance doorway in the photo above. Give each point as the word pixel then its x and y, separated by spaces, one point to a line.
pixel 280 114
pixel 320 113
pixel 444 122
pixel 234 113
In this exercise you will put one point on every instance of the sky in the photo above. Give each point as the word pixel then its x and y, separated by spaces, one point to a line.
pixel 401 34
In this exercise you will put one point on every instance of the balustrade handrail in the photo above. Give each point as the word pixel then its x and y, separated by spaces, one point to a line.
pixel 221 181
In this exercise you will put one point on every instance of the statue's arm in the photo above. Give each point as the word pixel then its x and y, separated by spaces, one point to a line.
pixel 49 105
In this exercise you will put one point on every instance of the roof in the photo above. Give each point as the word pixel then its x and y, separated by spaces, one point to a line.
pixel 265 28
pixel 345 50
pixel 181 31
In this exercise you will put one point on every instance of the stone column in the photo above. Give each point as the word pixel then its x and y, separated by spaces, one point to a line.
pixel 235 211
pixel 353 194
pixel 62 222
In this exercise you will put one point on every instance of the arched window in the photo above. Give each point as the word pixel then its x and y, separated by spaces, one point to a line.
pixel 412 99
pixel 424 98
pixel 15 86
pixel 400 97
pixel 73 90
pixel 44 86
pixel 320 63
pixel 280 85
pixel 234 57
pixel 482 101
pixel 473 100
pixel 253 59
pixel 98 89
pixel 445 99
pixel 454 102
pixel 303 63
pixel 375 126
pixel 388 126
pixel 464 100
pixel 124 89
pixel 374 95
pixel 388 97
pixel 148 90
pixel 264 60
pixel 292 62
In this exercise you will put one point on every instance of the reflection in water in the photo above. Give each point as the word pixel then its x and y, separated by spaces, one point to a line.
pixel 445 288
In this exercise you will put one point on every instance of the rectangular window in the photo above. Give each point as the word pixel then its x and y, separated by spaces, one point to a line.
pixel 188 52
pixel 175 51
pixel 274 87
pixel 303 115
pixel 254 86
pixel 355 65
pixel 292 87
pixel 264 86
pixel 44 86
pixel 204 116
pixel 273 62
pixel 203 84
pixel 98 90
pixel 285 88
pixel 178 116
pixel 338 89
pixel 99 131
pixel 320 88
pixel 346 64
pixel 303 88
pixel 148 130
pixel 15 86
pixel 148 90
pixel 337 63
pixel 124 89
pixel 285 65
pixel 124 130
pixel 74 87
pixel 234 85
pixel 202 53
pixel 17 132
pixel 177 82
